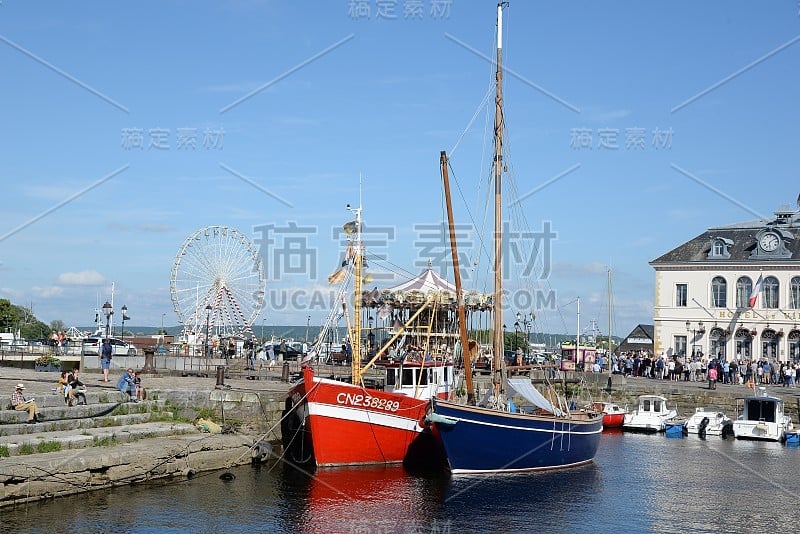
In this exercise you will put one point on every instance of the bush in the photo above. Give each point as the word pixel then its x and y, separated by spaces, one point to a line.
pixel 48 359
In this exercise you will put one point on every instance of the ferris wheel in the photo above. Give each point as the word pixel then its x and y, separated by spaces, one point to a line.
pixel 217 282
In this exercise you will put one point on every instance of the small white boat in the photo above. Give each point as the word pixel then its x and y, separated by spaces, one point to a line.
pixel 651 415
pixel 761 417
pixel 706 421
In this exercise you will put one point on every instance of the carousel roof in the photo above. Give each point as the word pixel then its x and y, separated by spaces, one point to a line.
pixel 414 293
pixel 426 282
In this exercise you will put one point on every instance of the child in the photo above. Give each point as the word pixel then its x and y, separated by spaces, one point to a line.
pixel 61 385
pixel 137 383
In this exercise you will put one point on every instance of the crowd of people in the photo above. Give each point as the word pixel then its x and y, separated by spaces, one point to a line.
pixel 700 368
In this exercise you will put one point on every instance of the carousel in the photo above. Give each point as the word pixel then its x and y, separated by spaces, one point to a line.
pixel 433 333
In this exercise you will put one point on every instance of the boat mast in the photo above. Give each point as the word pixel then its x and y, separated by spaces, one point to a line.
pixel 578 336
pixel 358 258
pixel 497 341
pixel 609 312
pixel 462 315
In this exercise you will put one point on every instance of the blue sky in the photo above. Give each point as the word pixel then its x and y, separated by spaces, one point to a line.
pixel 709 90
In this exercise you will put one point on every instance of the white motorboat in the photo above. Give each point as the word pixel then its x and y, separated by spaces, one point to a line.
pixel 651 415
pixel 707 421
pixel 761 417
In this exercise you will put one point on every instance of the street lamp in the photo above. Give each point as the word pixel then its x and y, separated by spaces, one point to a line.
pixel 208 319
pixel 308 323
pixel 694 329
pixel 162 323
pixel 525 321
pixel 124 318
pixel 108 311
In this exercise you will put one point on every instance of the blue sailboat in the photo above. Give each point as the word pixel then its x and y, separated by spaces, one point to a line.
pixel 494 436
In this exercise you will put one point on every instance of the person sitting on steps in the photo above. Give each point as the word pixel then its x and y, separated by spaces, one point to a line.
pixel 77 389
pixel 21 404
pixel 127 385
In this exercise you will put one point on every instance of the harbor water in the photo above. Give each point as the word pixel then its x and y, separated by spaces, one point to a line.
pixel 638 483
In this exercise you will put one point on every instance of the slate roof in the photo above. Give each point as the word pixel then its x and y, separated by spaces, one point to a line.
pixel 641 331
pixel 743 238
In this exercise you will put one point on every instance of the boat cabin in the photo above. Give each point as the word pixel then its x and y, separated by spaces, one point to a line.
pixel 764 409
pixel 652 404
pixel 420 381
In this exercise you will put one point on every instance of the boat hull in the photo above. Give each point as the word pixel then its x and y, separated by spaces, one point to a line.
pixel 331 423
pixel 479 440
pixel 759 430
pixel 613 420
pixel 717 425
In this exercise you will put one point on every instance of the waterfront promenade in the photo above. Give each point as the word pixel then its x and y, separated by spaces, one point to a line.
pixel 112 442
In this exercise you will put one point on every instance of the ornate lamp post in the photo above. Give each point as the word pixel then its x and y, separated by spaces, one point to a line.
pixel 694 329
pixel 124 318
pixel 524 322
pixel 108 311
pixel 208 320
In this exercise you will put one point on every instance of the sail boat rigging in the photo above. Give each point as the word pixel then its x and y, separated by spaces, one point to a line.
pixel 544 435
pixel 327 422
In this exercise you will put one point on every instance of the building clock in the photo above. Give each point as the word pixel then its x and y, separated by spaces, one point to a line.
pixel 769 242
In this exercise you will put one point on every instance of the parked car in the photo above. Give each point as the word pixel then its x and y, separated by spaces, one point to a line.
pixel 292 354
pixel 91 347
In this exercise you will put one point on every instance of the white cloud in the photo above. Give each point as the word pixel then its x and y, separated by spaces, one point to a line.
pixel 47 291
pixel 83 278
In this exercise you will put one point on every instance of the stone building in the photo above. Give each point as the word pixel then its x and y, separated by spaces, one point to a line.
pixel 732 291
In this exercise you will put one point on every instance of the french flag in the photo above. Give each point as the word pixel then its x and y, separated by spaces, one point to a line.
pixel 756 290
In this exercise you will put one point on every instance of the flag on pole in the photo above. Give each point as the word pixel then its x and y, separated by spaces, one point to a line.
pixel 756 290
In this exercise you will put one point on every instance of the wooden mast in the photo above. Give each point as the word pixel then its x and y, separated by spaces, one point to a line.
pixel 462 315
pixel 358 258
pixel 497 340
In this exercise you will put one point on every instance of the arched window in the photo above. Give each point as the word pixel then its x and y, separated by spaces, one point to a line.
pixel 744 286
pixel 719 292
pixel 719 248
pixel 794 293
pixel 771 290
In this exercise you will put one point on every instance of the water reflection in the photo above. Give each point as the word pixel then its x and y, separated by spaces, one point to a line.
pixel 365 499
pixel 638 483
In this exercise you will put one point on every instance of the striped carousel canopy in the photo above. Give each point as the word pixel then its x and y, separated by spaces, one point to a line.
pixel 426 282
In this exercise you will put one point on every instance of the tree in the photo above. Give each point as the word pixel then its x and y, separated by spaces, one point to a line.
pixel 9 318
pixel 57 326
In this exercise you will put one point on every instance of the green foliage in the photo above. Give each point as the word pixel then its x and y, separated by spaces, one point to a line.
pixel 48 446
pixel 515 340
pixel 105 442
pixel 4 452
pixel 13 317
pixel 48 359
pixel 26 448
pixel 206 413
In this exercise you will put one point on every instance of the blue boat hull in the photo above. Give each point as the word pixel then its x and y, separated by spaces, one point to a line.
pixel 480 440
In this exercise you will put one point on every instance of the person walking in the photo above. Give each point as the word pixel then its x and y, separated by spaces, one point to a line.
pixel 105 358
pixel 21 404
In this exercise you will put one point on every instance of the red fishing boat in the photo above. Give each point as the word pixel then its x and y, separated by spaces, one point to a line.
pixel 329 422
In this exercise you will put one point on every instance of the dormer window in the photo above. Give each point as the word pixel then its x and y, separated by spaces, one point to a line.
pixel 720 248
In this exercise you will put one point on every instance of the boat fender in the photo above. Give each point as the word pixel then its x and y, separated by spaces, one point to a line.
pixel 261 452
pixel 189 473
pixel 227 476
pixel 440 419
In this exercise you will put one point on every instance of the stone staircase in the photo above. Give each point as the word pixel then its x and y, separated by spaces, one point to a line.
pixel 106 420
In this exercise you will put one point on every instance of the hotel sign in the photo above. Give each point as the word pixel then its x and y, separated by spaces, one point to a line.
pixel 791 315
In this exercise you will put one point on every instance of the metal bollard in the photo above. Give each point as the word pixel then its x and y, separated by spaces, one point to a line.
pixel 285 372
pixel 220 375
